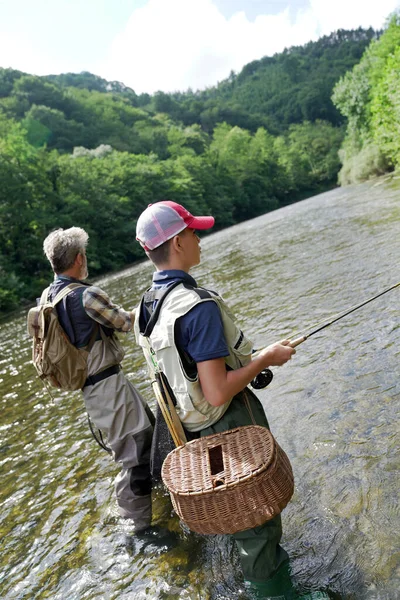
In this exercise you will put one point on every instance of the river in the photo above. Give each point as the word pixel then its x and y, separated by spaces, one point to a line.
pixel 333 408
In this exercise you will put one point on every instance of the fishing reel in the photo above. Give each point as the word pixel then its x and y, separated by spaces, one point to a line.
pixel 262 379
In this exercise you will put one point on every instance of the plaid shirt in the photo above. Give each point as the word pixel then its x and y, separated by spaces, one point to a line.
pixel 99 307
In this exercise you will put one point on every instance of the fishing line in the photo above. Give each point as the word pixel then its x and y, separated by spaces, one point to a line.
pixel 303 338
pixel 265 377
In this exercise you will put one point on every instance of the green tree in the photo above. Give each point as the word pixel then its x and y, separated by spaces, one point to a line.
pixel 48 126
pixel 26 209
pixel 385 110
pixel 367 96
pixel 37 91
pixel 247 167
pixel 308 153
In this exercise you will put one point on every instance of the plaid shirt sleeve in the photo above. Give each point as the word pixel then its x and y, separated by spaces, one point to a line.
pixel 99 307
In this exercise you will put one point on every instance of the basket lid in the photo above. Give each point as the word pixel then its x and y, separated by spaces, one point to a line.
pixel 219 460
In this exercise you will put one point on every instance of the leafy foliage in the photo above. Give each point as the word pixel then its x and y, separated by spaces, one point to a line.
pixel 369 97
pixel 78 150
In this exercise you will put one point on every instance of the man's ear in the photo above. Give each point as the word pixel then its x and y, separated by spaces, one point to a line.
pixel 79 259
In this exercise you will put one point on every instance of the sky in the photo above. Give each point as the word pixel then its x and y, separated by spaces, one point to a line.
pixel 168 45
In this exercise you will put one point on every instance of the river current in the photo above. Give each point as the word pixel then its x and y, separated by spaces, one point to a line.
pixel 333 408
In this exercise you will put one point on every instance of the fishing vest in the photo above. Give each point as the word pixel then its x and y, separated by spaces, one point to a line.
pixel 157 340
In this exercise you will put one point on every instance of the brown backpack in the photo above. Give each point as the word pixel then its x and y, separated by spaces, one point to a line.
pixel 57 361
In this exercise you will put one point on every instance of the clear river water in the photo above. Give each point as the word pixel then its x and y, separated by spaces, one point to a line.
pixel 333 408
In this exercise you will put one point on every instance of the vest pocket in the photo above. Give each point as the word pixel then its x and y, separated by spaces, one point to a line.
pixel 242 349
pixel 184 401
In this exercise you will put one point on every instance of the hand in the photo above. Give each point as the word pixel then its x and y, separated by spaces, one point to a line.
pixel 277 354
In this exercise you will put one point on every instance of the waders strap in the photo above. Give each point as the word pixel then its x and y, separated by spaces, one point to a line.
pixel 100 441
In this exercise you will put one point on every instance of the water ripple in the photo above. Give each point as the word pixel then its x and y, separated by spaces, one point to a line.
pixel 334 408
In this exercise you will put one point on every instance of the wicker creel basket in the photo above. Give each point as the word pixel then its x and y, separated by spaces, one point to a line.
pixel 229 481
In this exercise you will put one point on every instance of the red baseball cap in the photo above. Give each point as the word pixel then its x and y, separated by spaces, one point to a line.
pixel 163 220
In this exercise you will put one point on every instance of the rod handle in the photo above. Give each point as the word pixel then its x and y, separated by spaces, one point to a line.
pixel 298 341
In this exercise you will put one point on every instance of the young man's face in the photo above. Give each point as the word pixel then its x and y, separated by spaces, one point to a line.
pixel 191 245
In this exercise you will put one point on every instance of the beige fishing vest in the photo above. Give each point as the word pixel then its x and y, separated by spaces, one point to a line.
pixel 162 354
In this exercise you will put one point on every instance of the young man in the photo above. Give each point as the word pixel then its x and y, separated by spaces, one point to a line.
pixel 89 317
pixel 207 361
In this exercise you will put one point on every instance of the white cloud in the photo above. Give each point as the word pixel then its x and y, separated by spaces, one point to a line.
pixel 351 14
pixel 20 53
pixel 175 44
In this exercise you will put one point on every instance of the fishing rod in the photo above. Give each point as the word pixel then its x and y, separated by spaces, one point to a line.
pixel 265 377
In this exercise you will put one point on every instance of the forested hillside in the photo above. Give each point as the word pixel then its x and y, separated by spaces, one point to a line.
pixel 369 98
pixel 69 110
pixel 275 92
pixel 78 150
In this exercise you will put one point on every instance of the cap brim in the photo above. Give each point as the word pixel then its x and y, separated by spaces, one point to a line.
pixel 201 222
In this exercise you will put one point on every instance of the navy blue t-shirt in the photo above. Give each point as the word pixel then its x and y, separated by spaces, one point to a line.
pixel 200 332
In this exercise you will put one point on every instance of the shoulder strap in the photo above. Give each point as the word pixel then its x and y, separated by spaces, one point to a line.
pixel 97 327
pixel 44 296
pixel 149 297
pixel 201 292
pixel 65 291
pixel 62 294
pixel 160 295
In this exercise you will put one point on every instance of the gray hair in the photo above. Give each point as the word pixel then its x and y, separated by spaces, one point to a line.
pixel 62 246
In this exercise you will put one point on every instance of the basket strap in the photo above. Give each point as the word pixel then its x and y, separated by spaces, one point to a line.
pixel 248 406
pixel 168 410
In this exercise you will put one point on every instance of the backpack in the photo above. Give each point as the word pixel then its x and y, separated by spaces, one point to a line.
pixel 57 361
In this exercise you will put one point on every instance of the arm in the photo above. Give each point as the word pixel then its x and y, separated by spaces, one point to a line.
pixel 99 307
pixel 220 385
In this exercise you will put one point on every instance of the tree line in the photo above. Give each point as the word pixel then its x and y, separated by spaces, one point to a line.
pixel 77 150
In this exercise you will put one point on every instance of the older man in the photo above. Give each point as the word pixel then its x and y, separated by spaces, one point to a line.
pixel 90 319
